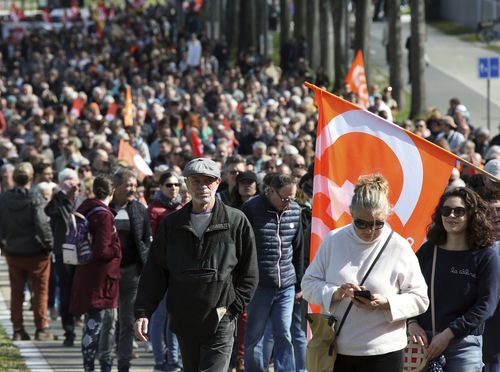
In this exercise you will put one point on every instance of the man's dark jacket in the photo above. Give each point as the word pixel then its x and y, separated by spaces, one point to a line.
pixel 59 210
pixel 201 275
pixel 23 224
pixel 140 228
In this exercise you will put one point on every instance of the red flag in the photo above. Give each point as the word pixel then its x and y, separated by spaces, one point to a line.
pixel 16 14
pixel 128 119
pixel 130 155
pixel 196 143
pixel 46 15
pixel 227 125
pixel 112 111
pixel 356 78
pixel 352 142
pixel 100 16
pixel 3 123
pixel 77 106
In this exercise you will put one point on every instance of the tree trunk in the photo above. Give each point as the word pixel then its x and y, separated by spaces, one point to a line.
pixel 232 29
pixel 364 19
pixel 417 58
pixel 325 26
pixel 313 37
pixel 247 24
pixel 394 49
pixel 284 23
pixel 299 19
pixel 339 41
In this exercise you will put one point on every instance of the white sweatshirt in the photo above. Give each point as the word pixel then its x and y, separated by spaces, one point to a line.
pixel 343 257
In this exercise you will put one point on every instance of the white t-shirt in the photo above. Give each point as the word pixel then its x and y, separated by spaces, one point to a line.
pixel 345 258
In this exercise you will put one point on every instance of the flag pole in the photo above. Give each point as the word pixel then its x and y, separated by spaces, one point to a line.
pixel 475 167
pixel 479 169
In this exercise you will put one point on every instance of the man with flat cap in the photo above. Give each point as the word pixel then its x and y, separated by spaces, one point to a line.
pixel 204 255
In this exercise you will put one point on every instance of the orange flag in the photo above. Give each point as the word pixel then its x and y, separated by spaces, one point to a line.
pixel 77 106
pixel 356 78
pixel 196 144
pixel 128 119
pixel 352 142
pixel 130 155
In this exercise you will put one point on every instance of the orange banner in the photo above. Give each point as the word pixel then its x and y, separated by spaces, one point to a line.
pixel 130 155
pixel 356 78
pixel 128 118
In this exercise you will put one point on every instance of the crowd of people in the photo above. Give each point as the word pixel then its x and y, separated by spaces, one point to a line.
pixel 62 103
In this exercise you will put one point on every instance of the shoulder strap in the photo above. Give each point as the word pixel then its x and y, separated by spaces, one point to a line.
pixel 362 281
pixel 95 210
pixel 433 274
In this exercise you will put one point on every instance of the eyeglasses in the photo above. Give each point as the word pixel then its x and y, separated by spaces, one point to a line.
pixel 273 154
pixel 171 184
pixel 234 172
pixel 373 225
pixel 457 211
pixel 286 200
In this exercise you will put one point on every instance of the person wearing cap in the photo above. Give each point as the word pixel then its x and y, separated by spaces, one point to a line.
pixel 449 133
pixel 204 254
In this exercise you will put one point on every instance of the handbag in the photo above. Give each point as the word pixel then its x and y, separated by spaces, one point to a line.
pixel 321 351
pixel 415 355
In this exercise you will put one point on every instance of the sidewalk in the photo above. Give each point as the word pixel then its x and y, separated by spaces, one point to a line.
pixel 52 356
pixel 452 72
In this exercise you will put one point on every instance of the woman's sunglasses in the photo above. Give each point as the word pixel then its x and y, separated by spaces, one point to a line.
pixel 363 225
pixel 457 211
pixel 171 185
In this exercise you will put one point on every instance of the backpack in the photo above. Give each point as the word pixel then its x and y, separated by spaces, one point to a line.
pixel 77 248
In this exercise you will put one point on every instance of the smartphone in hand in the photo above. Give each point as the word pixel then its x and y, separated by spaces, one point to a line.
pixel 364 294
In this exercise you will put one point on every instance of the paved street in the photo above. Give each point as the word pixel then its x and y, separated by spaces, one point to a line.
pixel 452 72
pixel 52 356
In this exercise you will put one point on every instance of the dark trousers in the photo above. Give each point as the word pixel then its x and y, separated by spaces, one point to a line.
pixel 392 362
pixel 65 274
pixel 210 356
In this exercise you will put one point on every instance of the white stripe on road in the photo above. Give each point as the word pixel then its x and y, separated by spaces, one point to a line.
pixel 32 357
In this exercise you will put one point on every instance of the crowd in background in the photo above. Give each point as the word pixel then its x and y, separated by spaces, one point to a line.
pixel 62 96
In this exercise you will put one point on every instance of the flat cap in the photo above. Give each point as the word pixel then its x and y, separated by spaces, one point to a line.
pixel 201 167
pixel 493 167
pixel 250 176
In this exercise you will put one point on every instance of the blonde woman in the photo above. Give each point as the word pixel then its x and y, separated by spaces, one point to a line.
pixel 374 333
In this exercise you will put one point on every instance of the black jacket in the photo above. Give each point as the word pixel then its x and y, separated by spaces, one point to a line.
pixel 24 226
pixel 140 228
pixel 59 210
pixel 201 275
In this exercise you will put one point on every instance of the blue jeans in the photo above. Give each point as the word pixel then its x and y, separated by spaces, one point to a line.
pixel 299 340
pixel 158 329
pixel 464 355
pixel 492 367
pixel 275 304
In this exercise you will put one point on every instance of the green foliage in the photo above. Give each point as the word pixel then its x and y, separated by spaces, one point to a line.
pixel 451 28
pixel 10 359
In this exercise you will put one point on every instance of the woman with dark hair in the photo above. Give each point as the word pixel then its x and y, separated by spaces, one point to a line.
pixel 466 281
pixel 95 284
pixel 168 201
pixel 246 187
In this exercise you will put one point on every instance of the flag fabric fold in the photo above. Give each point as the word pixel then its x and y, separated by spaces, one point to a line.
pixel 132 157
pixel 352 142
pixel 128 119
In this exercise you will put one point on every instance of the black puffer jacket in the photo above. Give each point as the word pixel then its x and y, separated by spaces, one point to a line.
pixel 140 228
pixel 201 275
pixel 24 226
pixel 59 210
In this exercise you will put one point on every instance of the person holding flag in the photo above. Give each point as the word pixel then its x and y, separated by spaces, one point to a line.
pixel 374 331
